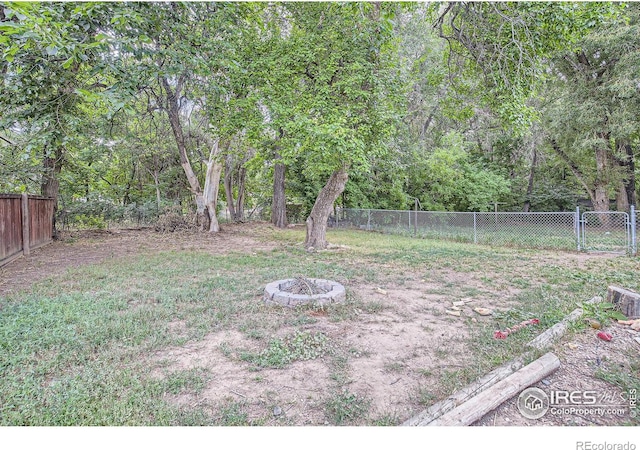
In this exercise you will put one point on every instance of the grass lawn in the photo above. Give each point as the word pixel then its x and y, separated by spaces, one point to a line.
pixel 182 337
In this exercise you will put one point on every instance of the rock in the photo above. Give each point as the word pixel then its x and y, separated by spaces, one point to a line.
pixel 455 308
pixel 637 339
pixel 474 320
pixel 381 291
pixel 572 345
pixel 453 313
pixel 483 311
pixel 460 303
pixel 277 411
pixel 593 323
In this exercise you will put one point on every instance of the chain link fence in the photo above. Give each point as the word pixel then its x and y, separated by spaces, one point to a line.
pixel 613 232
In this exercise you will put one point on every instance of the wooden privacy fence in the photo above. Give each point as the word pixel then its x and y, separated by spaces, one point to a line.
pixel 26 222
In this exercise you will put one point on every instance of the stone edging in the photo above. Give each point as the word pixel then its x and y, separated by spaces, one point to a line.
pixel 335 293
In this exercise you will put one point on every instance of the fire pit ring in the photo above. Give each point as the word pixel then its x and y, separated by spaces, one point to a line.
pixel 276 293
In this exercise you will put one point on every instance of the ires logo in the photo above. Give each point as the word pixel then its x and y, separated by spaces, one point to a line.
pixel 563 398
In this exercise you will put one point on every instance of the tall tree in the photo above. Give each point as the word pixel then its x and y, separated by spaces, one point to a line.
pixel 50 53
pixel 336 72
pixel 591 117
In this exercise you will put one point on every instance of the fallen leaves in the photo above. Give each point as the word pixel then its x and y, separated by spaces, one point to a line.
pixel 635 324
pixel 483 311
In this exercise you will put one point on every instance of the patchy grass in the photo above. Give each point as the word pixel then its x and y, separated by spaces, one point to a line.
pixel 346 408
pixel 76 350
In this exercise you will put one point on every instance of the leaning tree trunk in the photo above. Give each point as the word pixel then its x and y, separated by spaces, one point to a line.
pixel 317 220
pixel 173 111
pixel 279 204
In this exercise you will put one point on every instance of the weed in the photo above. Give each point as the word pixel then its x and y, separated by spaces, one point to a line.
pixel 394 366
pixel 424 396
pixel 194 380
pixel 232 414
pixel 346 408
pixel 603 312
pixel 387 420
pixel 300 346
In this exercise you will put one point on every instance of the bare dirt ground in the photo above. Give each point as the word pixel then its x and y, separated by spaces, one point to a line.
pixel 385 351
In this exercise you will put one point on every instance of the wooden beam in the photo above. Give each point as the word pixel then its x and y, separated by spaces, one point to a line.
pixel 541 342
pixel 627 302
pixel 554 333
pixel 488 400
pixel 26 240
pixel 438 409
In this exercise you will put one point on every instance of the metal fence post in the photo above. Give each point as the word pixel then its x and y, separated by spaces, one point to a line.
pixel 632 219
pixel 415 218
pixel 475 228
pixel 577 226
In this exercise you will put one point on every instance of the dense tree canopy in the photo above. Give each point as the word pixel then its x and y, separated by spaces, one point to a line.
pixel 126 110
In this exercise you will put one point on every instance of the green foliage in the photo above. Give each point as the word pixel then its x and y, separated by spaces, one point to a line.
pixel 603 312
pixel 301 346
pixel 509 43
pixel 456 183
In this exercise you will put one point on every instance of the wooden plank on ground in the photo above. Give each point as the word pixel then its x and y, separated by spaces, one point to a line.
pixel 554 333
pixel 490 399
pixel 438 409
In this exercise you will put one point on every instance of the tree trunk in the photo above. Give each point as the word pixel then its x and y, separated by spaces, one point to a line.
pixel 173 111
pixel 156 182
pixel 626 195
pixel 50 185
pixel 575 170
pixel 228 187
pixel 317 220
pixel 242 178
pixel 211 188
pixel 279 204
pixel 631 173
pixel 622 200
pixel 601 194
pixel 527 202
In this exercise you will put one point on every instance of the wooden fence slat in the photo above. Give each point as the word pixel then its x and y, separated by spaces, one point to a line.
pixel 26 236
pixel 26 222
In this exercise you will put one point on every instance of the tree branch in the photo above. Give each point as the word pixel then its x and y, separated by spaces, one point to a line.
pixel 574 168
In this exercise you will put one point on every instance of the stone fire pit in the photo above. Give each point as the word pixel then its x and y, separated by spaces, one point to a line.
pixel 301 291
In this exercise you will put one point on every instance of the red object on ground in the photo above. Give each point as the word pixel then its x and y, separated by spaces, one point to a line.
pixel 604 336
pixel 503 334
